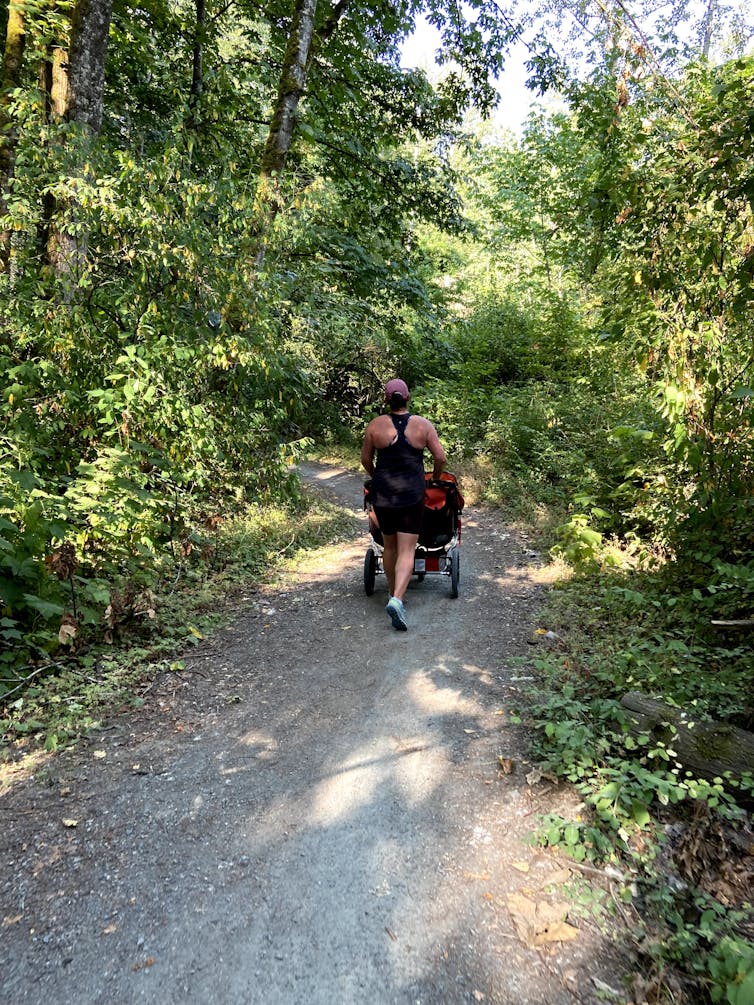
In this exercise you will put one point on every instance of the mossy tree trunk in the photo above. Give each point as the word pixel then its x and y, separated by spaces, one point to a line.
pixel 13 58
pixel 82 107
pixel 706 748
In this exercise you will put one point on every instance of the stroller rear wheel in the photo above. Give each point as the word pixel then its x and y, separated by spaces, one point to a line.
pixel 370 571
pixel 455 572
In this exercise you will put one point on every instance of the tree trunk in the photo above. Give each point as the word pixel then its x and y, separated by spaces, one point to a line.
pixel 197 75
pixel 290 88
pixel 708 749
pixel 54 86
pixel 302 45
pixel 708 27
pixel 15 41
pixel 53 82
pixel 89 32
pixel 82 105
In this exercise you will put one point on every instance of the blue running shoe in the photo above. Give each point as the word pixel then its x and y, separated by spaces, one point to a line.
pixel 397 613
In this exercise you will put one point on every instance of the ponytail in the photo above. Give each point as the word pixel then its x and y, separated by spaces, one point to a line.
pixel 397 401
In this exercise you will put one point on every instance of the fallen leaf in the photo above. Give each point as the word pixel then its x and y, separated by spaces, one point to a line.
pixel 558 931
pixel 69 822
pixel 100 754
pixel 521 866
pixel 476 875
pixel 110 929
pixel 540 922
pixel 557 877
pixel 506 765
pixel 478 996
pixel 69 629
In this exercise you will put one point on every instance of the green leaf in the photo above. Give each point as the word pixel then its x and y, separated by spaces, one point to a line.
pixel 640 814
pixel 48 609
pixel 571 835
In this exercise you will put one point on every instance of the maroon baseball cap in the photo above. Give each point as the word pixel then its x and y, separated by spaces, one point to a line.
pixel 396 385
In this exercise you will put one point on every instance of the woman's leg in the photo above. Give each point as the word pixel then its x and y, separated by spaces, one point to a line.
pixel 389 556
pixel 403 564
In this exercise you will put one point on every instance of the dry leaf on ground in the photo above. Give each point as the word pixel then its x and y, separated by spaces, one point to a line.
pixel 540 922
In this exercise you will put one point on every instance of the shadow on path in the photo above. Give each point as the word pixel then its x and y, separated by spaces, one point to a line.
pixel 312 813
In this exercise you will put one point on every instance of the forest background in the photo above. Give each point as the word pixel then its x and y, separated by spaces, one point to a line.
pixel 224 224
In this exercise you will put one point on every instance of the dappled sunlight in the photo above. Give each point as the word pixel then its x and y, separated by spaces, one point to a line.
pixel 419 772
pixel 326 563
pixel 348 788
pixel 414 766
pixel 432 699
pixel 508 577
pixel 481 673
pixel 264 747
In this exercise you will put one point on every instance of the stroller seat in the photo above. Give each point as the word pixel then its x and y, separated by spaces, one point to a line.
pixel 443 505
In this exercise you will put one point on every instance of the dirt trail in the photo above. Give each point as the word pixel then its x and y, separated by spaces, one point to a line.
pixel 312 813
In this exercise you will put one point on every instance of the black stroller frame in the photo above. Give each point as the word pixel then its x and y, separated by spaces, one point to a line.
pixel 438 550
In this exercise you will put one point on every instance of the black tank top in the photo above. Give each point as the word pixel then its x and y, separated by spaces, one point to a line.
pixel 398 478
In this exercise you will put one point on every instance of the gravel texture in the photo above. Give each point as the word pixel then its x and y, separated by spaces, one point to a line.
pixel 319 809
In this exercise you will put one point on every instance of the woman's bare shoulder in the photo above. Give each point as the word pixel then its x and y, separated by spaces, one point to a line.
pixel 419 422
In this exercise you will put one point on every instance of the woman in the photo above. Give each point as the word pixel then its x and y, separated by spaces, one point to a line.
pixel 399 440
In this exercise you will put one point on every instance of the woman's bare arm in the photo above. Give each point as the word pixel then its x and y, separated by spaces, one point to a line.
pixel 436 449
pixel 367 451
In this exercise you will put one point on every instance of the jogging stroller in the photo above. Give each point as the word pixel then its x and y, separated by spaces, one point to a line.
pixel 437 552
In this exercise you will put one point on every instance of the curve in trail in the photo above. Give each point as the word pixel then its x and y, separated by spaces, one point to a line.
pixel 312 813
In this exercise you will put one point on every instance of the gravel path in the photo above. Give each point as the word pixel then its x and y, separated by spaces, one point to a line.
pixel 313 812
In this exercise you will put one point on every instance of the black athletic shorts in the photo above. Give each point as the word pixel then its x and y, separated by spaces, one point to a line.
pixel 400 519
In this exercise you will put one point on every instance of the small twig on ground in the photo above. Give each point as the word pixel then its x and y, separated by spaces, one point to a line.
pixel 620 908
pixel 26 680
pixel 195 670
pixel 171 591
pixel 609 872
pixel 289 545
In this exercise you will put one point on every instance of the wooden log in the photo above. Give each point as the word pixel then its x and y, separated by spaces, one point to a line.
pixel 707 748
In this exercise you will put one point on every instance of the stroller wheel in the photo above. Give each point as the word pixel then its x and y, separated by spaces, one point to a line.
pixel 455 572
pixel 370 571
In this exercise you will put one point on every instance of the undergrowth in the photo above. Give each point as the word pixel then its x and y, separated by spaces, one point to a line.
pixel 53 702
pixel 679 845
